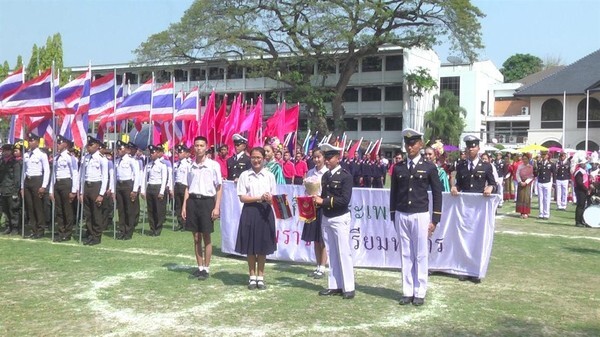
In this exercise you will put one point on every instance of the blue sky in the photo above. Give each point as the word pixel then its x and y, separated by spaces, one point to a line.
pixel 106 31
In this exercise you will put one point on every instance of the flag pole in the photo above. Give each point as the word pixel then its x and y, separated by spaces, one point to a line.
pixel 53 142
pixel 587 119
pixel 172 145
pixel 113 154
pixel 564 127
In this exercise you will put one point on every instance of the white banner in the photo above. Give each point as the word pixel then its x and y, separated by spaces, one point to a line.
pixel 461 244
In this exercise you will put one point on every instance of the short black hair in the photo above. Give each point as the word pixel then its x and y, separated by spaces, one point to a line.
pixel 258 149
pixel 201 138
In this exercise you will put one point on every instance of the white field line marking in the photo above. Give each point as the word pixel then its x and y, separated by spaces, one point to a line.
pixel 127 321
pixel 547 235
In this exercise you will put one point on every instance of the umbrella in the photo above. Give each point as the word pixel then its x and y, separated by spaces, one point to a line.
pixel 533 148
pixel 555 149
pixel 450 148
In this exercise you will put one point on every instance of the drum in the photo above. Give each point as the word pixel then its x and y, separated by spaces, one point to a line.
pixel 591 216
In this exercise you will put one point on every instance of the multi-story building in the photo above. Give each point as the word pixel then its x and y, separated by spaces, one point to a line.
pixel 471 83
pixel 565 106
pixel 376 102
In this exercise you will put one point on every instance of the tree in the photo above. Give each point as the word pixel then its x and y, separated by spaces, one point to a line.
pixel 283 40
pixel 33 65
pixel 519 66
pixel 4 70
pixel 553 61
pixel 447 120
pixel 419 82
pixel 19 62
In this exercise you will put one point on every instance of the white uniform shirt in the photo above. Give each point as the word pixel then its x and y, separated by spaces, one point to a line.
pixel 95 169
pixel 127 169
pixel 204 178
pixel 313 172
pixel 35 164
pixel 181 170
pixel 65 166
pixel 256 184
pixel 155 174
pixel 169 173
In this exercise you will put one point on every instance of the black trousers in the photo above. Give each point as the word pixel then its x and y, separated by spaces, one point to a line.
pixel 126 207
pixel 377 182
pixel 11 208
pixel 581 204
pixel 91 210
pixel 64 207
pixel 34 205
pixel 179 194
pixel 108 211
pixel 157 208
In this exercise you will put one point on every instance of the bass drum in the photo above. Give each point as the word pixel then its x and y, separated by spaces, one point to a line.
pixel 591 216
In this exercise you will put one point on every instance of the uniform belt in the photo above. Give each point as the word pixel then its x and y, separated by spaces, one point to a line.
pixel 31 177
pixel 89 183
pixel 124 181
pixel 200 196
pixel 62 179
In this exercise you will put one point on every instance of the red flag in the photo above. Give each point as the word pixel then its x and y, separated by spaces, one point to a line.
pixel 216 133
pixel 275 124
pixel 354 148
pixel 208 120
pixel 375 150
pixel 291 119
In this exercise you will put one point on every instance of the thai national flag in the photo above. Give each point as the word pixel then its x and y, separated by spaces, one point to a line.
pixel 32 98
pixel 136 105
pixel 16 129
pixel 10 84
pixel 79 125
pixel 190 108
pixel 66 99
pixel 162 103
pixel 44 129
pixel 102 97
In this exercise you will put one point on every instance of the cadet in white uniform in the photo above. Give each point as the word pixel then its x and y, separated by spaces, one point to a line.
pixel 180 171
pixel 127 177
pixel 94 175
pixel 63 188
pixel 153 190
pixel 36 176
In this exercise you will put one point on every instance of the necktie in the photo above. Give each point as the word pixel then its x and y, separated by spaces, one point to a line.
pixel 471 167
pixel 411 166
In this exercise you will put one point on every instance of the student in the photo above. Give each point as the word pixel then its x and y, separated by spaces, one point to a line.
pixel 201 204
pixel 153 190
pixel 273 165
pixel 180 171
pixel 127 179
pixel 94 176
pixel 36 176
pixel 256 232
pixel 64 185
pixel 312 231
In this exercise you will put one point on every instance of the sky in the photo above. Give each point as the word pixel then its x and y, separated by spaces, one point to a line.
pixel 107 31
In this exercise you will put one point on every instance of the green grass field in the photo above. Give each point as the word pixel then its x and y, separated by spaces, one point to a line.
pixel 543 280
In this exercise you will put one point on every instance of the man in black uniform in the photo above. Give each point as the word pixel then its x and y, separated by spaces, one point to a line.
pixel 473 176
pixel 10 182
pixel 545 172
pixel 409 206
pixel 355 170
pixel 334 200
pixel 502 169
pixel 240 161
pixel 563 175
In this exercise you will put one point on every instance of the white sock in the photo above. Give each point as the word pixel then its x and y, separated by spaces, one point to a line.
pixel 321 268
pixel 207 269
pixel 253 278
pixel 259 278
pixel 200 268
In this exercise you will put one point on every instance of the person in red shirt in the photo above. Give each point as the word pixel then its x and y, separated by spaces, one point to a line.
pixel 221 158
pixel 301 169
pixel 515 165
pixel 289 170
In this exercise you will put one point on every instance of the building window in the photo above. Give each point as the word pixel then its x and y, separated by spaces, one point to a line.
pixel 270 97
pixel 393 124
pixel 216 73
pixel 234 72
pixel 180 75
pixel 371 64
pixel 370 124
pixel 394 62
pixel 552 114
pixel 510 132
pixel 372 94
pixel 351 124
pixel 350 95
pixel 451 84
pixel 393 93
pixel 198 75
pixel 326 67
pixel 131 78
pixel 594 115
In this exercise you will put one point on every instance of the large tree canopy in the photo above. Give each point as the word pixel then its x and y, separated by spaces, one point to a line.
pixel 284 39
pixel 519 66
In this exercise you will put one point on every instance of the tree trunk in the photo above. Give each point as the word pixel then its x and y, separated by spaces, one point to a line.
pixel 317 120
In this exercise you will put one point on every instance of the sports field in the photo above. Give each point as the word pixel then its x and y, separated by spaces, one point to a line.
pixel 543 280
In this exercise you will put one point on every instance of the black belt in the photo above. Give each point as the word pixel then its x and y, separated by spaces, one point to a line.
pixel 31 177
pixel 124 181
pixel 89 183
pixel 200 196
pixel 61 179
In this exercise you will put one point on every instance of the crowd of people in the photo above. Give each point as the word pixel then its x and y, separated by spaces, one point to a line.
pixel 91 186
